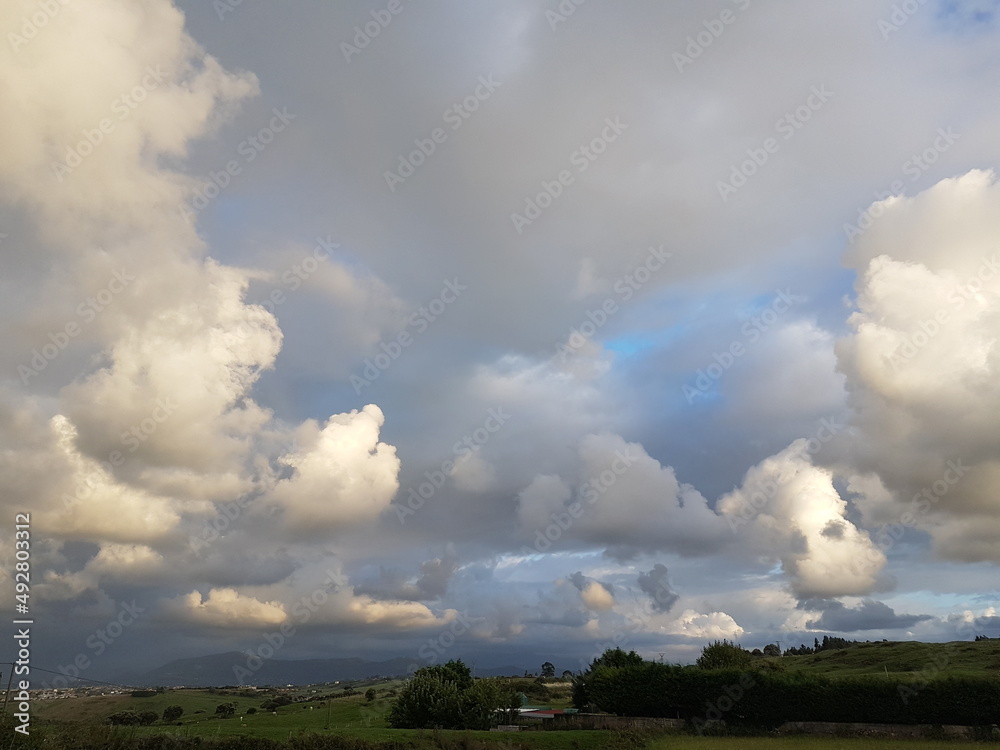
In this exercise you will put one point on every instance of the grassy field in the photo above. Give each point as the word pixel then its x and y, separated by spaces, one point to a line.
pixel 355 717
pixel 958 657
pixel 199 709
pixel 797 743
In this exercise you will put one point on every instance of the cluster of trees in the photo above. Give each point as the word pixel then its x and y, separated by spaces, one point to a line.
pixel 446 696
pixel 728 683
pixel 273 704
pixel 144 718
pixel 131 718
pixel 828 643
pixel 725 654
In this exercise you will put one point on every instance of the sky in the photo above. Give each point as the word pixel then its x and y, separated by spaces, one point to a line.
pixel 504 331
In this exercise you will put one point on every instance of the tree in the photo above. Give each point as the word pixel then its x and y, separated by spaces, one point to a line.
pixel 225 710
pixel 772 649
pixel 446 696
pixel 277 702
pixel 548 669
pixel 616 657
pixel 724 655
pixel 172 713
pixel 613 658
pixel 148 717
pixel 370 694
pixel 123 718
pixel 567 675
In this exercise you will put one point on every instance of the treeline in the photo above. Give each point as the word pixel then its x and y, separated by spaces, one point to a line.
pixel 627 685
pixel 828 643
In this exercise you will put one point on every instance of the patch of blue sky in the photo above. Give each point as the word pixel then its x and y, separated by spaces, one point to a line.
pixel 637 342
pixel 964 16
pixel 759 303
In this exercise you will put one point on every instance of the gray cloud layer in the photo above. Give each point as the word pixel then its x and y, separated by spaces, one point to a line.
pixel 486 320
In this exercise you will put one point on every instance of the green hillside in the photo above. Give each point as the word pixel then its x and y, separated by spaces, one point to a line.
pixel 351 717
pixel 199 705
pixel 956 657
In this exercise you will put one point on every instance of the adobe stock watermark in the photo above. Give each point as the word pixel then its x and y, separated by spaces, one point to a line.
pixel 131 440
pixel 227 514
pixel 122 106
pixel 33 24
pixel 787 126
pixel 755 503
pixel 224 7
pixel 922 502
pixel 271 643
pixel 97 643
pixel 731 695
pixel 292 279
pixel 590 492
pixel 562 12
pixel 914 168
pixel 433 649
pixel 581 158
pixel 705 38
pixel 249 148
pixel 900 16
pixel 930 327
pixel 658 603
pixel 462 450
pixel 752 331
pixel 626 287
pixel 933 668
pixel 365 33
pixel 87 311
pixel 454 116
pixel 225 517
pixel 419 321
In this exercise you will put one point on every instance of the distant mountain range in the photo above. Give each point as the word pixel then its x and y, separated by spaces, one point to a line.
pixel 236 668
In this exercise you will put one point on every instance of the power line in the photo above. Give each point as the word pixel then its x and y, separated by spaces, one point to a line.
pixel 33 668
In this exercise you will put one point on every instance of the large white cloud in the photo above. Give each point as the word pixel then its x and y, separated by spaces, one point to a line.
pixel 140 355
pixel 153 92
pixel 789 511
pixel 342 474
pixel 704 626
pixel 226 608
pixel 922 364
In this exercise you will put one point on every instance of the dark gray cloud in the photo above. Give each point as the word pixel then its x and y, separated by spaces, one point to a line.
pixel 656 583
pixel 395 583
pixel 868 615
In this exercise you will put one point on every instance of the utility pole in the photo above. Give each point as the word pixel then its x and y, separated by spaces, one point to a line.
pixel 7 694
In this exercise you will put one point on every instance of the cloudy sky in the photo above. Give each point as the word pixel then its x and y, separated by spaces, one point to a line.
pixel 506 331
